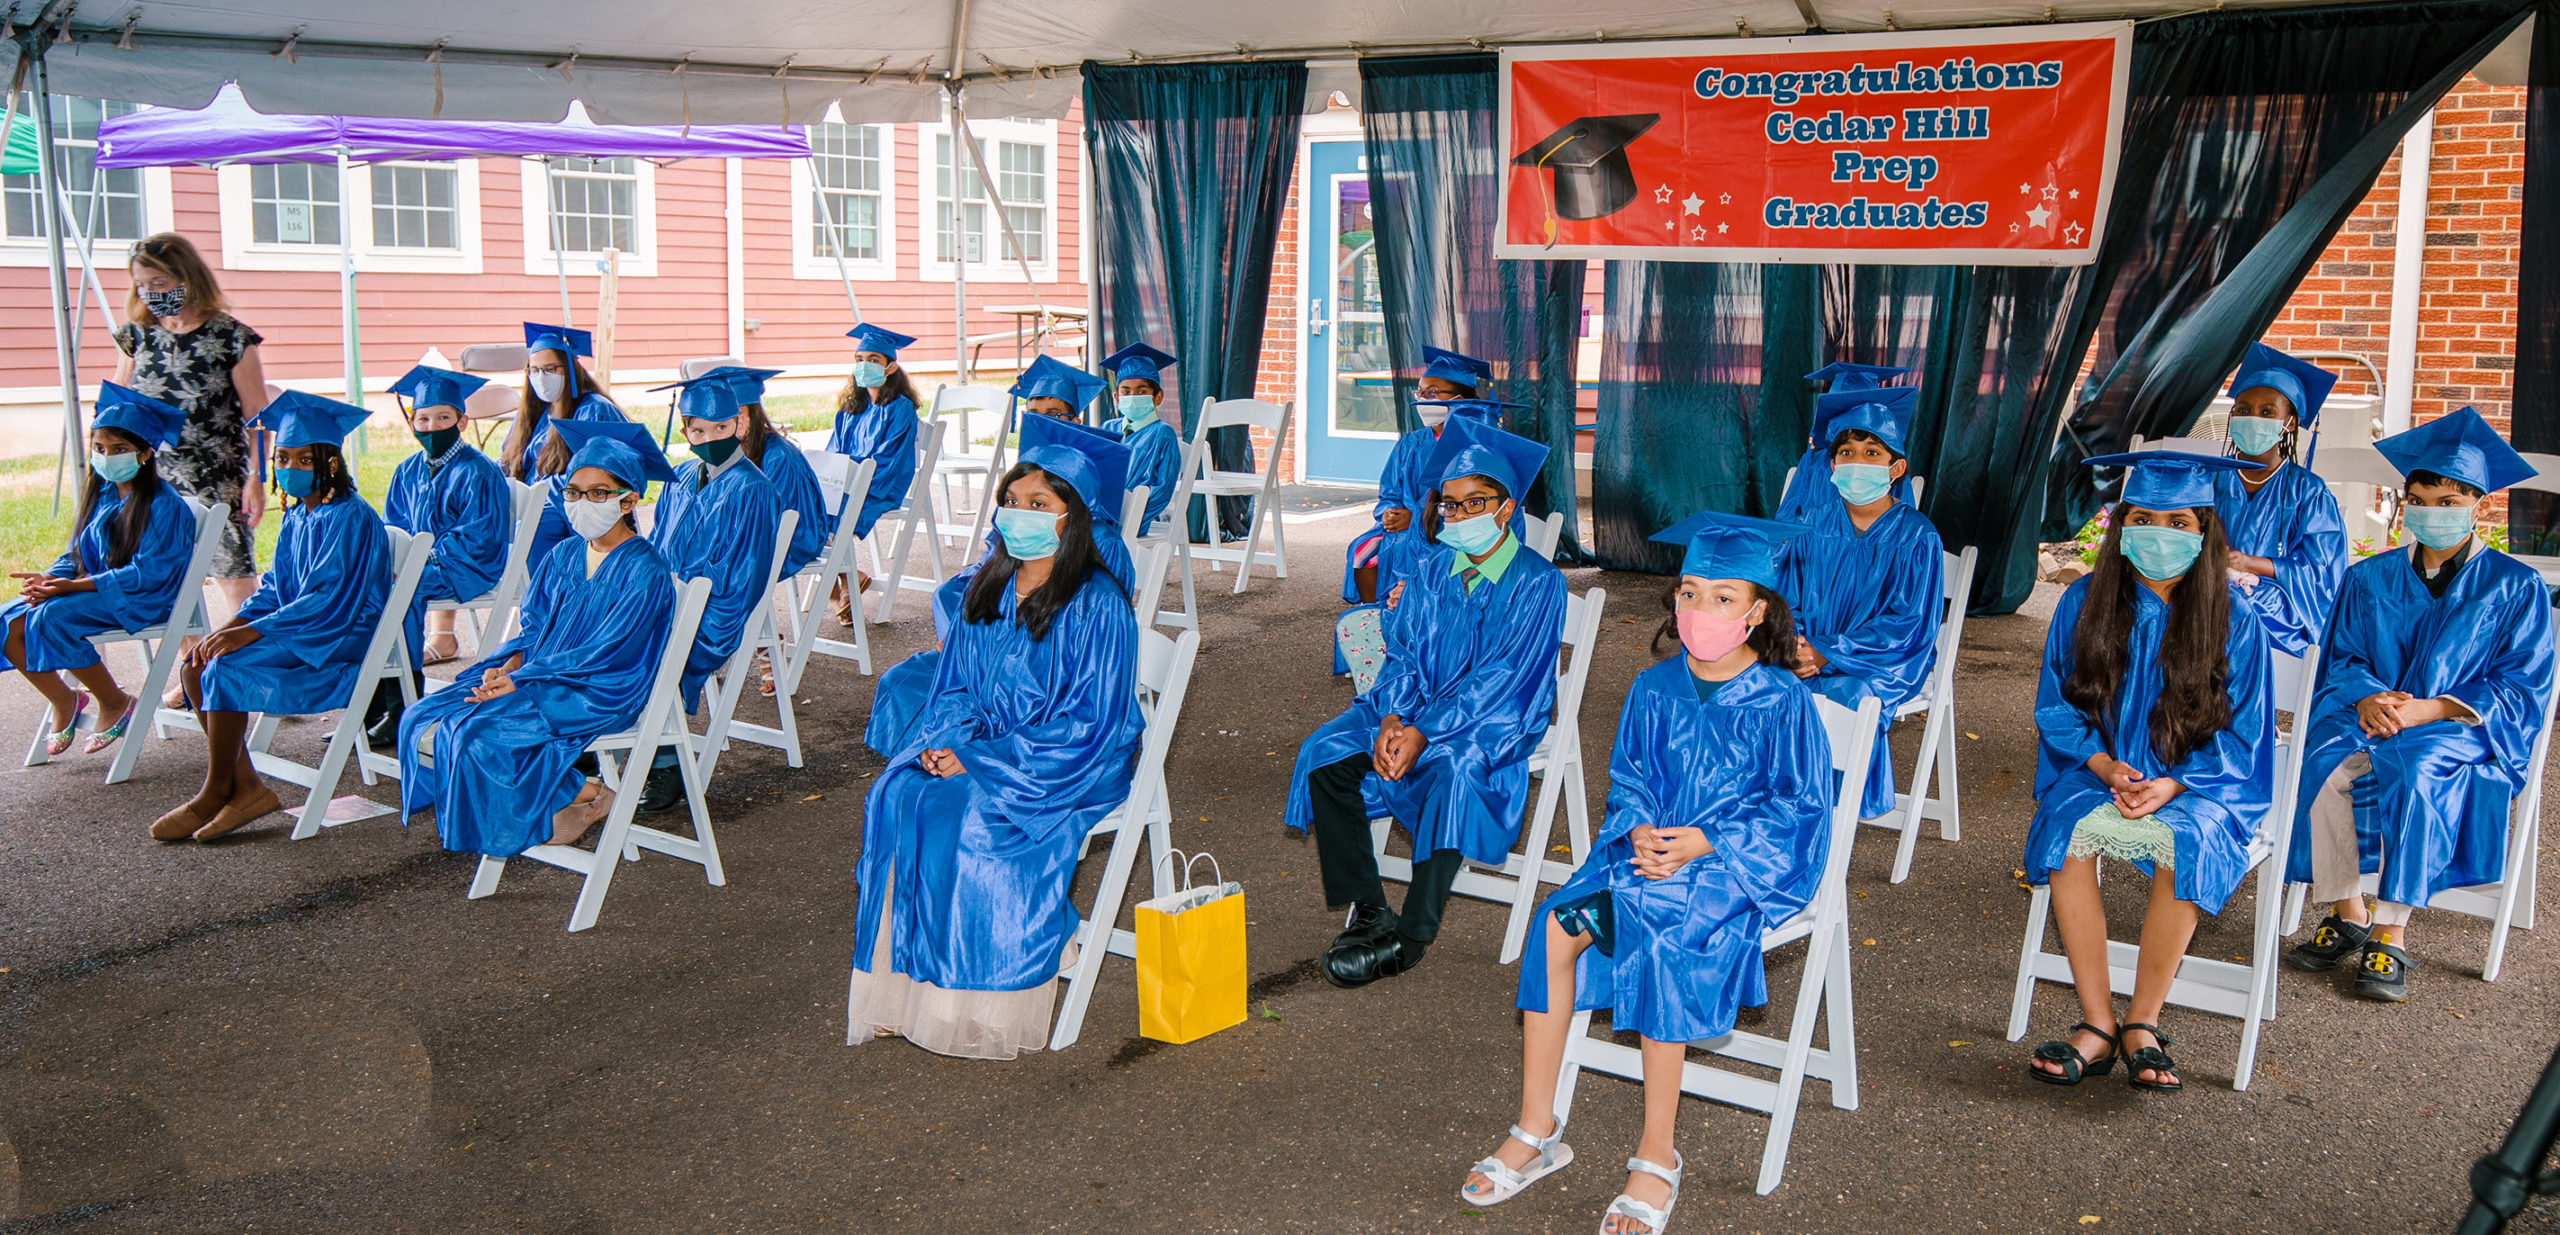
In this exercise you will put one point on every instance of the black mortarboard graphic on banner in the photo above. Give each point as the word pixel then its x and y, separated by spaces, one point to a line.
pixel 1589 159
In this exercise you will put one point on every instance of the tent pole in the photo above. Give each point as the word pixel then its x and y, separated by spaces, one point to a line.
pixel 835 242
pixel 66 362
pixel 959 215
pixel 354 347
pixel 559 264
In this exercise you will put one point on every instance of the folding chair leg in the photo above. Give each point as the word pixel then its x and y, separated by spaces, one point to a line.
pixel 608 855
pixel 1524 896
pixel 1840 1025
pixel 1279 541
pixel 1915 809
pixel 2262 972
pixel 1190 618
pixel 1252 538
pixel 2024 1000
pixel 2294 895
pixel 1782 1114
pixel 2519 860
pixel 1098 926
pixel 1577 812
pixel 1951 828
pixel 1569 1073
pixel 324 783
pixel 484 881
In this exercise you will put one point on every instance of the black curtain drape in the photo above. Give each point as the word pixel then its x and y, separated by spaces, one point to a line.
pixel 1434 184
pixel 2533 519
pixel 1190 168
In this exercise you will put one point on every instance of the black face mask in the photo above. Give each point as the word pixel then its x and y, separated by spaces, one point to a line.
pixel 166 304
pixel 716 452
pixel 437 441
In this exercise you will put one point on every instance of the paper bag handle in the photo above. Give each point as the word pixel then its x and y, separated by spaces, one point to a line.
pixel 1217 877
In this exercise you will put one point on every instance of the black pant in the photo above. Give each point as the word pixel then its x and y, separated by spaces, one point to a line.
pixel 1349 858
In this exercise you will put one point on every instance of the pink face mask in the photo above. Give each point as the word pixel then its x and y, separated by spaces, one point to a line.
pixel 1708 636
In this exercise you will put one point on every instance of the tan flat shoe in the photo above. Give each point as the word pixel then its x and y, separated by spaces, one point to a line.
pixel 241 810
pixel 178 824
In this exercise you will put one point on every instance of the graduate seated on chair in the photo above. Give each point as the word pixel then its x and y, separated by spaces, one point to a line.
pixel 121 572
pixel 1442 743
pixel 787 468
pixel 2432 685
pixel 1027 739
pixel 2156 747
pixel 1809 488
pixel 875 420
pixel 1868 581
pixel 296 648
pixel 1451 384
pixel 1718 828
pixel 452 492
pixel 1050 387
pixel 2288 545
pixel 1360 648
pixel 499 757
pixel 1155 449
pixel 557 387
pixel 716 520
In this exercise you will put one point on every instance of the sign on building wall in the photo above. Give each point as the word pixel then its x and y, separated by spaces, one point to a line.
pixel 1976 147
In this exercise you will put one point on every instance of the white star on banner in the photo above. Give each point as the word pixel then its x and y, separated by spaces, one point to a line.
pixel 2075 195
pixel 1697 233
pixel 1725 199
pixel 1662 194
pixel 2026 188
pixel 1691 203
pixel 1667 225
pixel 2013 229
pixel 2040 218
pixel 1720 228
pixel 2071 234
pixel 2049 192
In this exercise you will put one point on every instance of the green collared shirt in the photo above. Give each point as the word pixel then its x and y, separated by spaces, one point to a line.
pixel 1489 570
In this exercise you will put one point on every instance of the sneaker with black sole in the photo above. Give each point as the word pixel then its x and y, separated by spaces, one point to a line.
pixel 2383 973
pixel 663 791
pixel 2334 941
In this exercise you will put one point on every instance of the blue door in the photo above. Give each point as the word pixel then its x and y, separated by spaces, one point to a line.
pixel 1350 411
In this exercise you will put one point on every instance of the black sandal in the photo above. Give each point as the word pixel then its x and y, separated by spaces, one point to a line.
pixel 2075 1068
pixel 2154 1059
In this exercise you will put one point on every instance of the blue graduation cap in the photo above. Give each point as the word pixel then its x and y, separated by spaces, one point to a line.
pixel 745 384
pixel 1474 448
pixel 138 416
pixel 1846 376
pixel 1885 411
pixel 711 396
pixel 428 386
pixel 1050 378
pixel 2303 384
pixel 541 338
pixel 620 448
pixel 298 418
pixel 870 338
pixel 1139 361
pixel 2169 479
pixel 1716 545
pixel 2458 446
pixel 1090 461
pixel 1457 367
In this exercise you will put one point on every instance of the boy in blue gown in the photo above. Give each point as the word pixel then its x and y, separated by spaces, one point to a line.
pixel 1718 828
pixel 1027 739
pixel 1155 450
pixel 496 756
pixel 1868 583
pixel 2288 545
pixel 1053 388
pixel 1449 382
pixel 450 491
pixel 1809 486
pixel 295 647
pixel 1443 741
pixel 2432 685
pixel 875 420
pixel 122 570
pixel 1360 645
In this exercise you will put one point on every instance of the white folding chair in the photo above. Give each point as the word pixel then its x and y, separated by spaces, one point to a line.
pixel 491 613
pixel 2506 903
pixel 160 645
pixel 818 580
pixel 729 682
pixel 1557 765
pixel 1201 478
pixel 2245 992
pixel 1542 534
pixel 661 726
pixel 2184 445
pixel 1822 995
pixel 1164 677
pixel 892 577
pixel 1934 791
pixel 1171 536
pixel 699 365
pixel 963 465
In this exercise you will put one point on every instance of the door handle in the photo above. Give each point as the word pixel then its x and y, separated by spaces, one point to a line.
pixel 1316 319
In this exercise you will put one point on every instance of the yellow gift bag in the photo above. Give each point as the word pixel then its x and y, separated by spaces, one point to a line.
pixel 1191 958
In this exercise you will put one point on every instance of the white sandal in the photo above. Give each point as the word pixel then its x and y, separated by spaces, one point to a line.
pixel 1553 1156
pixel 1625 1206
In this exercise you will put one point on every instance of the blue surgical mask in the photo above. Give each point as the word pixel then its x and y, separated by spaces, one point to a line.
pixel 2256 435
pixel 2161 552
pixel 1137 409
pixel 1861 483
pixel 1029 535
pixel 868 374
pixel 116 469
pixel 1472 536
pixel 2437 527
pixel 295 481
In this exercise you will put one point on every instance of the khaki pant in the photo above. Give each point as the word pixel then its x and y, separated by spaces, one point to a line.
pixel 2334 877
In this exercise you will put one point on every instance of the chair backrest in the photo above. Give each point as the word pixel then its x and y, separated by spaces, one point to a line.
pixel 928 457
pixel 494 401
pixel 2185 445
pixel 692 597
pixel 1853 739
pixel 493 357
pixel 525 501
pixel 773 577
pixel 1164 678
pixel 1581 635
pixel 1957 570
pixel 962 400
pixel 699 365
pixel 409 556
pixel 1228 413
pixel 2340 463
pixel 2531 798
pixel 1543 535
pixel 1133 510
pixel 210 520
pixel 1151 560
pixel 2547 479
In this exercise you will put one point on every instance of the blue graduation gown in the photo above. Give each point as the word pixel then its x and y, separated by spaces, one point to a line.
pixel 2230 780
pixel 1476 672
pixel 2292 520
pixel 1811 487
pixel 2433 813
pixel 1753 768
pixel 1048 731
pixel 1871 603
pixel 466 505
pixel 1401 486
pixel 1155 460
pixel 129 597
pixel 723 531
pixel 315 610
pixel 884 433
pixel 796 487
pixel 590 647
pixel 592 405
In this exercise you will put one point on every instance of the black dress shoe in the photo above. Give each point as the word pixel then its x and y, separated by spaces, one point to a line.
pixel 2335 940
pixel 663 791
pixel 1366 944
pixel 2383 974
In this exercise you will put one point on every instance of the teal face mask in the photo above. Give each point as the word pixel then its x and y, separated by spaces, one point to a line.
pixel 2256 435
pixel 2161 552
pixel 1137 409
pixel 1861 483
pixel 1472 536
pixel 869 374
pixel 2437 527
pixel 295 481
pixel 1029 535
pixel 116 469
pixel 716 451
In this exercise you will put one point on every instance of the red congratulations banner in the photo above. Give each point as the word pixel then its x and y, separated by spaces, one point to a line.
pixel 1984 147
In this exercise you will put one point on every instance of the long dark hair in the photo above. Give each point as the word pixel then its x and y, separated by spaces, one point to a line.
pixel 1774 639
pixel 130 521
pixel 554 454
pixel 1076 559
pixel 331 478
pixel 855 397
pixel 2193 706
pixel 752 434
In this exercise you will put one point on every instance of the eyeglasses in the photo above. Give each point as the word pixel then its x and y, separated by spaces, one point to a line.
pixel 1470 507
pixel 592 495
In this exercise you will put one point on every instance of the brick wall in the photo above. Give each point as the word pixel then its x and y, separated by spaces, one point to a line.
pixel 1277 379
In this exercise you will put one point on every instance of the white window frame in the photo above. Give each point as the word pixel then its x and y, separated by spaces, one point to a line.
pixel 240 251
pixel 1042 133
pixel 537 227
pixel 806 261
pixel 158 215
